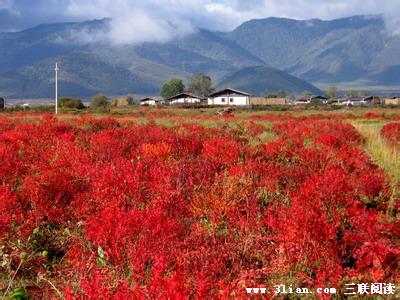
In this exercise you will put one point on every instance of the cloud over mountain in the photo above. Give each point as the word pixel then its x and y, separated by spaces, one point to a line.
pixel 162 20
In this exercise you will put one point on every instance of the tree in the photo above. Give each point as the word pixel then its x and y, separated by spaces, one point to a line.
pixel 2 103
pixel 99 101
pixel 354 93
pixel 331 92
pixel 172 87
pixel 277 94
pixel 67 102
pixel 130 100
pixel 201 85
pixel 315 103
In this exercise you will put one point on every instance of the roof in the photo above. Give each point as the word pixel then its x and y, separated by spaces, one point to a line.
pixel 185 95
pixel 154 98
pixel 350 99
pixel 228 91
pixel 310 97
pixel 355 99
pixel 337 100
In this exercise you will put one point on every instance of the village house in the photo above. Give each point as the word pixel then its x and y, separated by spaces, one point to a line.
pixel 151 101
pixel 392 101
pixel 121 101
pixel 337 100
pixel 354 101
pixel 185 98
pixel 307 99
pixel 229 97
pixel 376 100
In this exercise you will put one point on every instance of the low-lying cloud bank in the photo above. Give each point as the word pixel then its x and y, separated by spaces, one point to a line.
pixel 161 20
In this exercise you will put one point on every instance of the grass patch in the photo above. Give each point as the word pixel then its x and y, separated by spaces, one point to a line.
pixel 384 155
pixel 267 136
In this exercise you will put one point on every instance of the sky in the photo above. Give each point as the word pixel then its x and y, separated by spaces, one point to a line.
pixel 160 20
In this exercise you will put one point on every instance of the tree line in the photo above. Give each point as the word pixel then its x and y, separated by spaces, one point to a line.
pixel 200 85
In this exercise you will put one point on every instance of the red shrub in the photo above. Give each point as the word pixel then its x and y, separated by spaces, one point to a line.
pixel 110 209
pixel 391 132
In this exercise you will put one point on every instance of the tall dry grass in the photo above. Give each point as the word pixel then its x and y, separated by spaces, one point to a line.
pixel 384 155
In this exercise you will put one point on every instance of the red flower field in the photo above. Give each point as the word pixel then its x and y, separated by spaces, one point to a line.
pixel 111 208
pixel 391 132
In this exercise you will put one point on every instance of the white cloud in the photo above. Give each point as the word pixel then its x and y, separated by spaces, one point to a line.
pixel 332 9
pixel 159 20
pixel 135 23
pixel 8 5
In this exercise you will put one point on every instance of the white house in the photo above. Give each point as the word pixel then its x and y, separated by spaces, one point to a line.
pixel 151 101
pixel 229 97
pixel 307 99
pixel 185 98
pixel 392 101
pixel 353 101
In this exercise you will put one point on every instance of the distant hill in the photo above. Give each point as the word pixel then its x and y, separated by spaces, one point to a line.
pixel 341 50
pixel 83 75
pixel 389 75
pixel 261 79
pixel 27 59
pixel 351 50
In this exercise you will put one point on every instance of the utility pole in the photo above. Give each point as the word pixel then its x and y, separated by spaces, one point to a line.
pixel 56 81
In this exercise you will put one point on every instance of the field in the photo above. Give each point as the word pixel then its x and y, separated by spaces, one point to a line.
pixel 172 204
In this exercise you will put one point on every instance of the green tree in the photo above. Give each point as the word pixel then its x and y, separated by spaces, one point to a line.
pixel 201 85
pixel 277 94
pixel 331 92
pixel 68 102
pixel 315 103
pixel 2 103
pixel 99 101
pixel 172 87
pixel 130 99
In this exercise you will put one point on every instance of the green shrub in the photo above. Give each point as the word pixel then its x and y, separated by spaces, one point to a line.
pixel 99 101
pixel 269 107
pixel 315 103
pixel 67 102
pixel 42 108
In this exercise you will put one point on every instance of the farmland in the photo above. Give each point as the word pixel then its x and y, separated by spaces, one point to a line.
pixel 155 203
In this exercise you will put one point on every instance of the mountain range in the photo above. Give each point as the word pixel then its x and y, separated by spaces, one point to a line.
pixel 258 56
